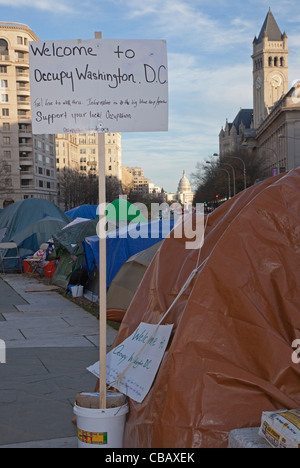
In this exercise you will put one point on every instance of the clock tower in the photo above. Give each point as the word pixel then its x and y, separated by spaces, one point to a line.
pixel 270 68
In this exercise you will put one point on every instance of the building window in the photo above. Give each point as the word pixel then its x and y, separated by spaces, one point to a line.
pixel 3 83
pixel 7 154
pixel 5 112
pixel 6 127
pixel 41 184
pixel 3 69
pixel 6 140
pixel 4 97
pixel 3 47
pixel 19 40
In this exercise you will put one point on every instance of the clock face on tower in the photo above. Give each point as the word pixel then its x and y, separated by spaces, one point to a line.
pixel 276 81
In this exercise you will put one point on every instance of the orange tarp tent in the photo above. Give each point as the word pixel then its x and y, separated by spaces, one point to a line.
pixel 229 356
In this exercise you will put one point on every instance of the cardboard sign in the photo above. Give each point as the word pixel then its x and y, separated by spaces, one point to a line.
pixel 137 368
pixel 98 85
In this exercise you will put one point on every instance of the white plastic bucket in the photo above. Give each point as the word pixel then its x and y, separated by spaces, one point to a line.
pixel 77 291
pixel 100 428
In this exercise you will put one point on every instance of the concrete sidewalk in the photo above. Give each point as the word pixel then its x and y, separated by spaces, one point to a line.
pixel 50 341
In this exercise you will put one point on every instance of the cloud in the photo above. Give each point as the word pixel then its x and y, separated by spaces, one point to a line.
pixel 188 23
pixel 58 6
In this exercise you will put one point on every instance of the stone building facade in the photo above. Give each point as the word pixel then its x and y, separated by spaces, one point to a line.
pixel 272 127
pixel 27 161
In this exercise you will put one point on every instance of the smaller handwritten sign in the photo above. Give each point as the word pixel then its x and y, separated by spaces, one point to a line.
pixel 132 366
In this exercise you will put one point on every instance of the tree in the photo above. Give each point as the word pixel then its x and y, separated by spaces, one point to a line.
pixel 211 180
pixel 77 189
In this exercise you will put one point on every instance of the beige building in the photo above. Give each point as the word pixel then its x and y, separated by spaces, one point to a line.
pixel 27 161
pixel 140 184
pixel 273 128
pixel 80 153
pixel 270 69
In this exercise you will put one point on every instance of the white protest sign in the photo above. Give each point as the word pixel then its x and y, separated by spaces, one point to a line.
pixel 138 357
pixel 98 85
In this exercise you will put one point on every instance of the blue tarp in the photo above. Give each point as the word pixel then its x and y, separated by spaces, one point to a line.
pixel 83 211
pixel 125 242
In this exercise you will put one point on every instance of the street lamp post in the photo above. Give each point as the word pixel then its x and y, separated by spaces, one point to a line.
pixel 286 136
pixel 233 176
pixel 245 144
pixel 244 166
pixel 229 183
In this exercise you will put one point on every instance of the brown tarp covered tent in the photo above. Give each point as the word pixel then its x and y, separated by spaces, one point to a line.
pixel 230 354
pixel 126 282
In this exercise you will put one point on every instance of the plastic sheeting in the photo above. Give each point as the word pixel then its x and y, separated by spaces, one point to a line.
pixel 230 356
pixel 125 242
pixel 83 211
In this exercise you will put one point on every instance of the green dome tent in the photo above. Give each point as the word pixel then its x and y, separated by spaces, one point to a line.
pixel 122 210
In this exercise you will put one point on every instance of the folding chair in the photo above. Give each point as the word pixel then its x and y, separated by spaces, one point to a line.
pixel 35 262
pixel 6 247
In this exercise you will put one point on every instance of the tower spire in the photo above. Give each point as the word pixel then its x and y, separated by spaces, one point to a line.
pixel 270 29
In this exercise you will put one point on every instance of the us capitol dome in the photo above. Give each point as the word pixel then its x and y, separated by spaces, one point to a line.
pixel 184 191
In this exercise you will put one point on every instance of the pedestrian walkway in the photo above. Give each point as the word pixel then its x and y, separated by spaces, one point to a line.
pixel 50 341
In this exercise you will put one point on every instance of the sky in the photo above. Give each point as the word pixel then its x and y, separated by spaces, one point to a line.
pixel 209 48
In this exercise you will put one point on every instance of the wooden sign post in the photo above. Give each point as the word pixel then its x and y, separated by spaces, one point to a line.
pixel 102 278
pixel 99 86
pixel 102 269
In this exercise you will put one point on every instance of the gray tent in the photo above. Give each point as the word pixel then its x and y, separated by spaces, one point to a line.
pixel 30 223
